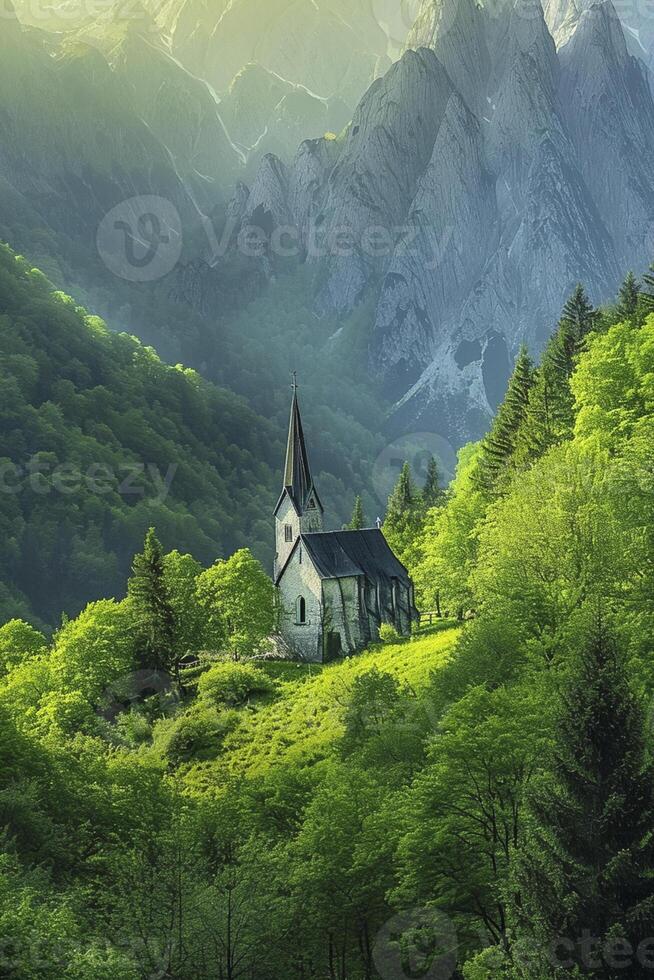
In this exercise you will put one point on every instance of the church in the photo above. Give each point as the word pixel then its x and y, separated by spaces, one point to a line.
pixel 335 588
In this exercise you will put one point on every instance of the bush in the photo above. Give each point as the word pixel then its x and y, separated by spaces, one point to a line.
pixel 232 684
pixel 388 634
pixel 134 728
pixel 490 964
pixel 197 735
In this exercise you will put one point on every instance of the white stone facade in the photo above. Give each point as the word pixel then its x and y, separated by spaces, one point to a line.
pixel 300 579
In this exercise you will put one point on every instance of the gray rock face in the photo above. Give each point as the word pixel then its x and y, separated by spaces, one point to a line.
pixel 371 188
pixel 308 182
pixel 267 205
pixel 454 31
pixel 331 47
pixel 561 17
pixel 635 18
pixel 500 171
pixel 181 111
pixel 609 112
pixel 452 227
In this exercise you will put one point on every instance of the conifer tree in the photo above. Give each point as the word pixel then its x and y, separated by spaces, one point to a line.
pixel 403 515
pixel 499 445
pixel 432 492
pixel 155 617
pixel 404 496
pixel 551 409
pixel 583 878
pixel 629 297
pixel 358 518
pixel 579 313
pixel 648 290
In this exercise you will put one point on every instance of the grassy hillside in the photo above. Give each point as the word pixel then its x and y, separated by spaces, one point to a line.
pixel 303 721
pixel 196 816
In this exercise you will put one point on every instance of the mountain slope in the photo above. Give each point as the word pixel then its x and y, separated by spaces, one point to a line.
pixel 74 166
pixel 497 172
pixel 99 440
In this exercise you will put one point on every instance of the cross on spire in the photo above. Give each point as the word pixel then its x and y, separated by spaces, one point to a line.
pixel 294 385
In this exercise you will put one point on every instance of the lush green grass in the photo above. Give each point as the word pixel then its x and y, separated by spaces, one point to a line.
pixel 305 720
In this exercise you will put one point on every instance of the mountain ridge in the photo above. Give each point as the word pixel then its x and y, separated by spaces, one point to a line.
pixel 558 144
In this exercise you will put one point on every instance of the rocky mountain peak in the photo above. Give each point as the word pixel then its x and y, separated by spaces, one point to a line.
pixel 610 115
pixel 454 31
pixel 561 17
pixel 598 37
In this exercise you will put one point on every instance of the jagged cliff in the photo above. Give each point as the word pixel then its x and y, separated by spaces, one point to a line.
pixel 491 171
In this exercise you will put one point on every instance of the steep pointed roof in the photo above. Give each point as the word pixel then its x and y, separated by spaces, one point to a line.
pixel 350 554
pixel 298 482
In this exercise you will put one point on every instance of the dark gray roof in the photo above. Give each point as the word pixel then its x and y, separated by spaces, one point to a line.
pixel 341 554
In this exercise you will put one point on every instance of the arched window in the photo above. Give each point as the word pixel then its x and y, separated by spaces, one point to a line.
pixel 301 610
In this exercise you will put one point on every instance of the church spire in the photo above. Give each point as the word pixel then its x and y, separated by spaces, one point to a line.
pixel 297 475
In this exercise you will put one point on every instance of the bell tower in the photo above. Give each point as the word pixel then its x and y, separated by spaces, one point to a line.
pixel 299 510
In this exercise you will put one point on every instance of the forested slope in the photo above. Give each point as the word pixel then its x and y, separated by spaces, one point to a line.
pixel 98 440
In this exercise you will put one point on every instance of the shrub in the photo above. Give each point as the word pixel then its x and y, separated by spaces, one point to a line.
pixel 197 735
pixel 232 684
pixel 134 728
pixel 388 634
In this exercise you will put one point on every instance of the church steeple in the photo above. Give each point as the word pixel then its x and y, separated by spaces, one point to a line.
pixel 297 474
pixel 298 509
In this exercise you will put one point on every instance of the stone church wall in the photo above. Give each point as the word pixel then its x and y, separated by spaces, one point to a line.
pixel 342 614
pixel 286 515
pixel 301 579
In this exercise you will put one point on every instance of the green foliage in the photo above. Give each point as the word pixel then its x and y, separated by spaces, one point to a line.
pixel 239 602
pixel 462 812
pixel 493 963
pixel 150 443
pixel 585 860
pixel 180 574
pixel 550 415
pixel 448 547
pixel 18 642
pixel 499 446
pixel 629 298
pixel 648 290
pixel 232 684
pixel 357 523
pixel 403 515
pixel 497 774
pixel 196 735
pixel 388 633
pixel 92 651
pixel 154 616
pixel 433 494
pixel 568 533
